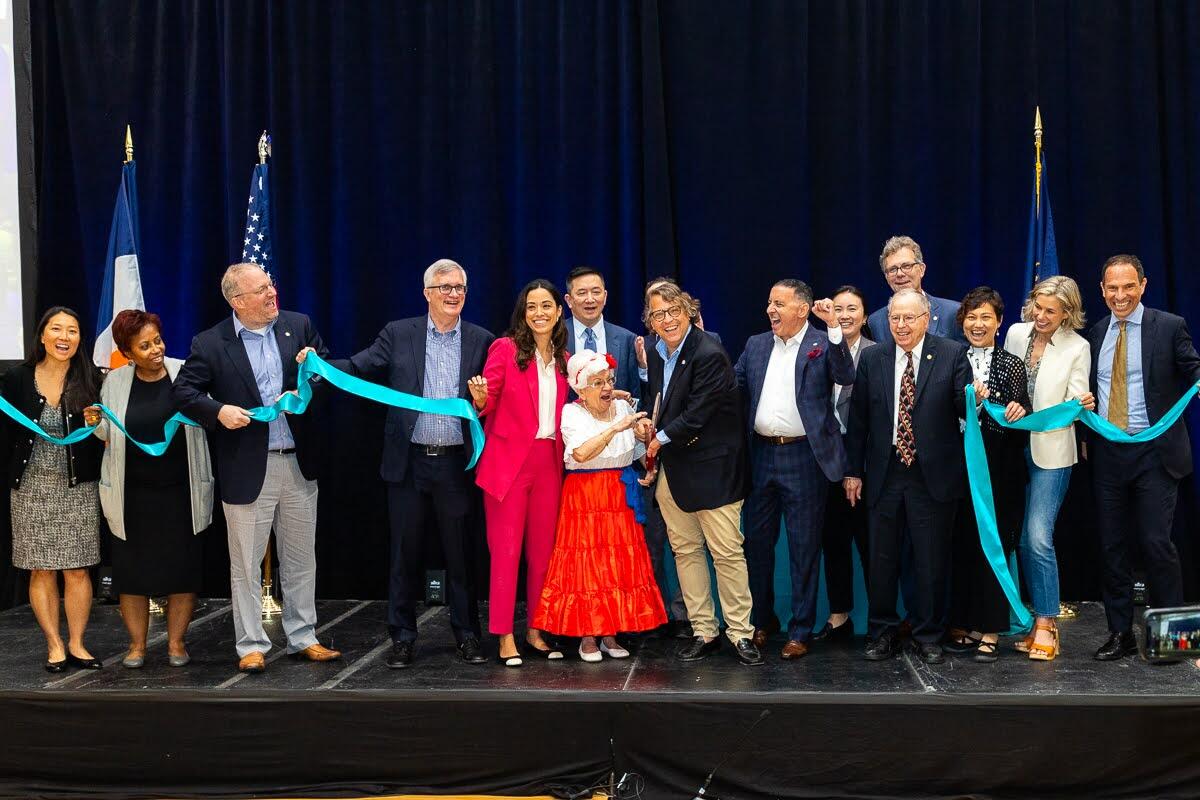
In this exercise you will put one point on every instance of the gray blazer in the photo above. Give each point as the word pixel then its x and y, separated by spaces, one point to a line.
pixel 843 402
pixel 114 393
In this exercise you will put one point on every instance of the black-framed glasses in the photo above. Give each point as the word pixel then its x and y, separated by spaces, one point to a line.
pixel 673 312
pixel 260 291
pixel 906 268
pixel 450 288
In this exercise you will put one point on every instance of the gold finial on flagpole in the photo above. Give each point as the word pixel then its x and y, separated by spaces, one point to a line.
pixel 128 144
pixel 1037 164
pixel 264 148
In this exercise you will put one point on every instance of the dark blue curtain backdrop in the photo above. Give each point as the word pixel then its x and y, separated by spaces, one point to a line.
pixel 730 144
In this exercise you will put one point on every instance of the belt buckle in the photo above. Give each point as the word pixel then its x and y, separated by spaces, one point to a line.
pixel 433 449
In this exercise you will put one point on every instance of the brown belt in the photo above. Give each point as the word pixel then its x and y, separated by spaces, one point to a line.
pixel 778 440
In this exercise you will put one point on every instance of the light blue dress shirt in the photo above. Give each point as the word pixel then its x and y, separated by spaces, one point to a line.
pixel 443 357
pixel 267 366
pixel 669 362
pixel 1138 417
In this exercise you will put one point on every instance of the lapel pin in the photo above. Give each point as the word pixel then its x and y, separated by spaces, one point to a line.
pixel 929 356
pixel 287 333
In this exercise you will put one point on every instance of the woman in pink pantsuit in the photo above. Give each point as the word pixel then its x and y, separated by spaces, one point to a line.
pixel 521 395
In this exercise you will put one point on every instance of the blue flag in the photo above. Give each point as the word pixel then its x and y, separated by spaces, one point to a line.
pixel 256 243
pixel 1041 252
pixel 122 287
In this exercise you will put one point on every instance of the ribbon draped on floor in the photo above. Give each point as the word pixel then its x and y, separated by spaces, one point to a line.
pixel 1048 419
pixel 290 403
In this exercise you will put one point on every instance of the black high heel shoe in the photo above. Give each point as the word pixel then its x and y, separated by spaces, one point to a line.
pixel 84 663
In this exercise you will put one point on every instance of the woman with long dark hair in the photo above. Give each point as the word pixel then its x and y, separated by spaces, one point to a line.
pixel 55 497
pixel 521 395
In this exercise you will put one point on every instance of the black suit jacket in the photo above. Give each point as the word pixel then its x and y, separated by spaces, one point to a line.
pixel 701 413
pixel 217 372
pixel 1170 365
pixel 940 400
pixel 398 354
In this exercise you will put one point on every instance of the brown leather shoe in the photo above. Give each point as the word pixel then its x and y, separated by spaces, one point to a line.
pixel 315 652
pixel 793 650
pixel 762 634
pixel 252 662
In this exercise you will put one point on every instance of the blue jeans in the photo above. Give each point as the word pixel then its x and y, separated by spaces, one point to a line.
pixel 1043 498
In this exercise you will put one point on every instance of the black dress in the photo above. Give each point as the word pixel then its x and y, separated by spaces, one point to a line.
pixel 977 602
pixel 160 555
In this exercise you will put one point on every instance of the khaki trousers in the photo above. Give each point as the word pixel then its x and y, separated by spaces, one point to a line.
pixel 719 530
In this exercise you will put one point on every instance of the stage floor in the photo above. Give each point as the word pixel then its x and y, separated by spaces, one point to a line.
pixel 358 629
pixel 829 725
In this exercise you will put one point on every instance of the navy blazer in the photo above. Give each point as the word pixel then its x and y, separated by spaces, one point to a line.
pixel 701 413
pixel 620 345
pixel 815 377
pixel 939 403
pixel 943 321
pixel 398 354
pixel 217 372
pixel 1170 365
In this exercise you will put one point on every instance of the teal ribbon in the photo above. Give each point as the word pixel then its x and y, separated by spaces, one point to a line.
pixel 1048 419
pixel 290 403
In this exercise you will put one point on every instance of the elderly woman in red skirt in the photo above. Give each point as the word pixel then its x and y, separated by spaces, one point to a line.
pixel 600 581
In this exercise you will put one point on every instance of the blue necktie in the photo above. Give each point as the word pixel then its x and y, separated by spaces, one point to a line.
pixel 589 339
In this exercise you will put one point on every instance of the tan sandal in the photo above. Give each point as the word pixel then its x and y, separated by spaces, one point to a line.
pixel 1024 645
pixel 1041 652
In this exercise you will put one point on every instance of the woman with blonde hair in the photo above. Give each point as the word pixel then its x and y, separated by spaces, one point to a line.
pixel 1057 362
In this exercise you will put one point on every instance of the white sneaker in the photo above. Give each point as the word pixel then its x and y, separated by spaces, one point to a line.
pixel 613 652
pixel 591 657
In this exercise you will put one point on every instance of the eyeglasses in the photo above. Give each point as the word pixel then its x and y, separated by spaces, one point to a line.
pixel 600 383
pixel 673 312
pixel 906 268
pixel 262 290
pixel 449 288
pixel 907 319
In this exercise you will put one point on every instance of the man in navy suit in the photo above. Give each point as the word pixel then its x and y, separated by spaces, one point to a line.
pixel 588 330
pixel 904 439
pixel 425 456
pixel 1142 361
pixel 787 375
pixel 903 267
pixel 267 473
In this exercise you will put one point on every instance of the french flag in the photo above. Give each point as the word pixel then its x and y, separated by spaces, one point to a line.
pixel 122 281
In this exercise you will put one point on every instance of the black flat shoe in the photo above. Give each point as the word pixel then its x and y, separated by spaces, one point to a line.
pixel 961 645
pixel 509 661
pixel 470 651
pixel 401 655
pixel 747 653
pixel 56 666
pixel 842 633
pixel 882 648
pixel 549 654
pixel 84 663
pixel 987 652
pixel 1117 647
pixel 929 652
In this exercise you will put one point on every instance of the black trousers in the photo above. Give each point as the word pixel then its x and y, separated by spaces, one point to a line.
pixel 844 524
pixel 906 500
pixel 1135 504
pixel 655 530
pixel 437 492
pixel 977 603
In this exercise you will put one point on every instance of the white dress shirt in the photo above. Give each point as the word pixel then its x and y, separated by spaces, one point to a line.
pixel 598 329
pixel 837 387
pixel 777 414
pixel 547 394
pixel 901 364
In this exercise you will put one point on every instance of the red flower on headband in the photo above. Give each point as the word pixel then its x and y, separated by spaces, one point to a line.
pixel 612 362
pixel 816 351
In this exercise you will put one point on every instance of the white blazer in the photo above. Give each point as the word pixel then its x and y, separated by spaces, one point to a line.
pixel 1062 375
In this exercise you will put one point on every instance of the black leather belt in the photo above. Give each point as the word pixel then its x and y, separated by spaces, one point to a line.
pixel 286 451
pixel 437 449
pixel 778 440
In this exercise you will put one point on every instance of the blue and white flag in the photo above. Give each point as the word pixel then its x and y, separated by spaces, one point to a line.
pixel 256 243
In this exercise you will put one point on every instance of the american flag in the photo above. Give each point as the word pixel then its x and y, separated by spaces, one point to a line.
pixel 256 243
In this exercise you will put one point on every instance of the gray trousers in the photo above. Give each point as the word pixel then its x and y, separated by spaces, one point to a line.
pixel 288 503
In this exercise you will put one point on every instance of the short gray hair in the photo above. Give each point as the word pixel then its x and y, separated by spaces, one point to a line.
pixel 670 292
pixel 903 293
pixel 441 267
pixel 897 243
pixel 229 281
